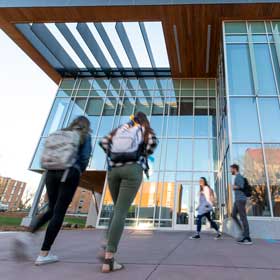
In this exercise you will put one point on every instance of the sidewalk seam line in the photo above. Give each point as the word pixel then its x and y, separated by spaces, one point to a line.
pixel 164 258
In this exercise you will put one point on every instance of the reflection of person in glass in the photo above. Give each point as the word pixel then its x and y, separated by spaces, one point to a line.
pixel 205 208
pixel 239 206
pixel 125 172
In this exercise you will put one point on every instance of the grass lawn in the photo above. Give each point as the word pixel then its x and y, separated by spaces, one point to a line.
pixel 76 220
pixel 15 221
pixel 10 221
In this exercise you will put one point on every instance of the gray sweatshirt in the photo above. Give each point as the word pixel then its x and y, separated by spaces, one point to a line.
pixel 239 182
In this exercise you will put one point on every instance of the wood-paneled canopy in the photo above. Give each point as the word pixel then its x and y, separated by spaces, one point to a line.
pixel 191 21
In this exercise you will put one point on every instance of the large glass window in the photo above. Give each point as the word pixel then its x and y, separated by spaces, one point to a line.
pixel 254 120
pixel 266 82
pixel 272 154
pixel 250 159
pixel 244 120
pixel 57 115
pixel 186 117
pixel 201 155
pixel 185 149
pixel 240 79
pixel 270 113
pixel 179 112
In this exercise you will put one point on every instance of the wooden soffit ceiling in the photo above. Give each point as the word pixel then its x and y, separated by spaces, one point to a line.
pixel 191 22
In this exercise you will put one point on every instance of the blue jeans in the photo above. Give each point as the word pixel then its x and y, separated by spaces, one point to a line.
pixel 208 216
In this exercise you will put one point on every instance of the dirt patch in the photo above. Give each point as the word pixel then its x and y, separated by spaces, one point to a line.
pixel 13 214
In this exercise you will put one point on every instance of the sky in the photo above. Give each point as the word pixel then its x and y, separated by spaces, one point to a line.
pixel 26 96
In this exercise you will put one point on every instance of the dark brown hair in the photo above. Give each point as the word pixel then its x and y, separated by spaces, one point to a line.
pixel 235 166
pixel 82 124
pixel 142 119
pixel 205 183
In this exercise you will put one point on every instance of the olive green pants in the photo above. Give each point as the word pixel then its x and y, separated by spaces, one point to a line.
pixel 124 183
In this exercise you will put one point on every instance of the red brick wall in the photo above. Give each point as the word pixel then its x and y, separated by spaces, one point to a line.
pixel 11 192
pixel 80 202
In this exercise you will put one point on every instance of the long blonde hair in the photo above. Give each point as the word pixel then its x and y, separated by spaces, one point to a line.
pixel 82 124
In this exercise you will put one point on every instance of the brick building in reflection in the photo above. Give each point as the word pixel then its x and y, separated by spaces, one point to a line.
pixel 255 172
pixel 11 192
pixel 81 202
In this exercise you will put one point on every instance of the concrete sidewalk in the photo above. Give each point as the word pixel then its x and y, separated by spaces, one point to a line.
pixel 148 255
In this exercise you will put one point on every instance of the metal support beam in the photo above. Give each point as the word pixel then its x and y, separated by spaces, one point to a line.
pixel 106 40
pixel 147 43
pixel 25 29
pixel 94 208
pixel 27 221
pixel 95 49
pixel 126 45
pixel 46 37
pixel 67 34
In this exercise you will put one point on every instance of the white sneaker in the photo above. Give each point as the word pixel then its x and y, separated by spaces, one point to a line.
pixel 45 260
pixel 22 247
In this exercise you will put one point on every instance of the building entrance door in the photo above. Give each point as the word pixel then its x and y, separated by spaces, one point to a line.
pixel 186 201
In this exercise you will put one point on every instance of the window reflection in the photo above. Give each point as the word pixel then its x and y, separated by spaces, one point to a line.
pixel 239 78
pixel 173 118
pixel 36 163
pixel 171 154
pixel 269 112
pixel 244 116
pixel 147 204
pixel 57 115
pixel 183 205
pixel 266 83
pixel 186 117
pixel 272 154
pixel 167 200
pixel 275 63
pixel 250 159
pixel 201 152
pixel 184 161
pixel 98 158
pixel 77 109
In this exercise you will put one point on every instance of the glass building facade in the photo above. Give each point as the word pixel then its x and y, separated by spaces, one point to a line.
pixel 183 115
pixel 251 98
pixel 203 126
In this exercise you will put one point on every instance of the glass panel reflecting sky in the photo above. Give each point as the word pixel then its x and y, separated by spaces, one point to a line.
pixel 266 82
pixel 253 120
pixel 244 119
pixel 240 79
pixel 269 113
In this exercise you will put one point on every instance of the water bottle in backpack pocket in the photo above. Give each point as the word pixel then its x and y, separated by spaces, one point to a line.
pixel 60 150
pixel 126 144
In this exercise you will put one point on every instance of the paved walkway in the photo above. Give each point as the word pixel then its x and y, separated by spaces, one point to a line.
pixel 148 255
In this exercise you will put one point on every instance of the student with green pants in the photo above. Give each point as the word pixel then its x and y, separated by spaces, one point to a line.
pixel 128 148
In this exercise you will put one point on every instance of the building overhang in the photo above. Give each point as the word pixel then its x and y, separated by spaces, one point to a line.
pixel 88 3
pixel 192 31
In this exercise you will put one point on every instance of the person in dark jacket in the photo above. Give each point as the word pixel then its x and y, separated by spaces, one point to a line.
pixel 60 192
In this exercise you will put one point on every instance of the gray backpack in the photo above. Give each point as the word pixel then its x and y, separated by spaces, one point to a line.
pixel 60 150
pixel 127 144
